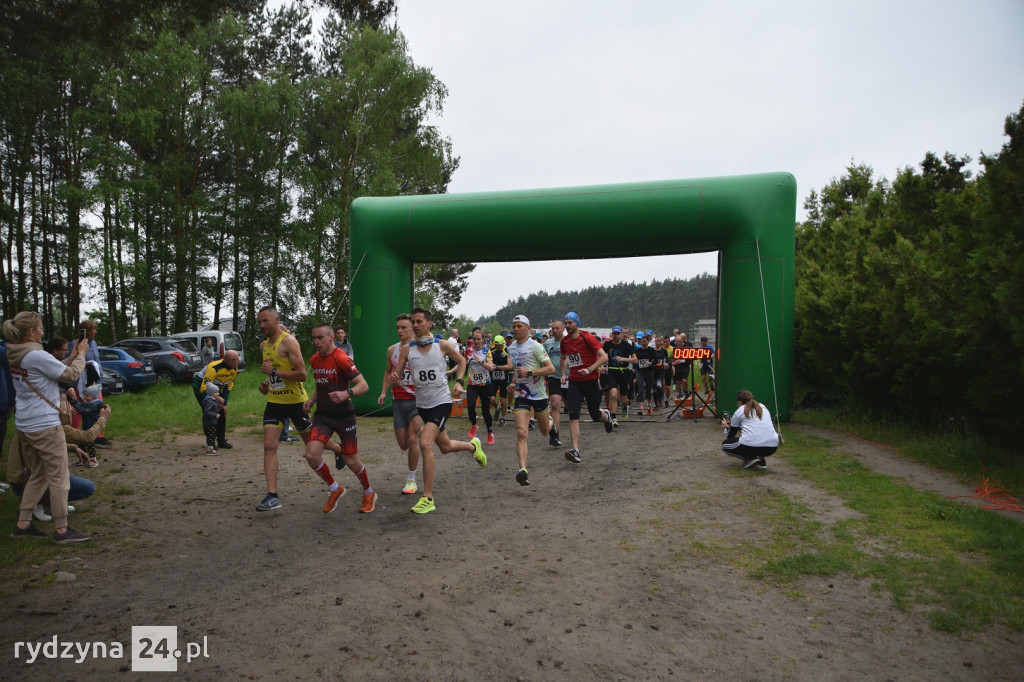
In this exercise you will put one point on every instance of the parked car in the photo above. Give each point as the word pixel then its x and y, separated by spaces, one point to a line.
pixel 174 360
pixel 136 370
pixel 113 383
pixel 222 341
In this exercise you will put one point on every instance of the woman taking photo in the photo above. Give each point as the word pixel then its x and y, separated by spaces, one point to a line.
pixel 37 419
pixel 752 436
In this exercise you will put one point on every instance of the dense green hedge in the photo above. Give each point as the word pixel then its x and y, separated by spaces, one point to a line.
pixel 910 294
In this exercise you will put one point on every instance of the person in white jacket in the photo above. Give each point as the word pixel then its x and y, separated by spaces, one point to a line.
pixel 751 436
pixel 37 417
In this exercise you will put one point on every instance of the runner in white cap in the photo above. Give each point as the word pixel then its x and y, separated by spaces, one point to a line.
pixel 532 364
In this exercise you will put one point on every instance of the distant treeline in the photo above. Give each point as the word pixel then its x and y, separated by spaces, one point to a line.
pixel 660 306
pixel 910 293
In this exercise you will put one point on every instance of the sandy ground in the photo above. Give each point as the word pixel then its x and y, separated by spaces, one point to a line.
pixel 589 573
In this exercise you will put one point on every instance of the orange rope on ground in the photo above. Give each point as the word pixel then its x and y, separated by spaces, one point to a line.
pixel 869 442
pixel 995 497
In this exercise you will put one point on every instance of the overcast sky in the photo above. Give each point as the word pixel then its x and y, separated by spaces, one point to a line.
pixel 555 93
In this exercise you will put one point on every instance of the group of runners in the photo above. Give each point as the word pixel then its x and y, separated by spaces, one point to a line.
pixel 425 374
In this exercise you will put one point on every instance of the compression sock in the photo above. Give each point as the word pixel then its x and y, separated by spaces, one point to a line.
pixel 364 479
pixel 324 473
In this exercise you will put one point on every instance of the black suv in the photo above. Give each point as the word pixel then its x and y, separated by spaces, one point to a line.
pixel 174 360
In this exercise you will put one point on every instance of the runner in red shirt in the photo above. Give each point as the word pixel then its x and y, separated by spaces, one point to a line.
pixel 583 355
pixel 337 380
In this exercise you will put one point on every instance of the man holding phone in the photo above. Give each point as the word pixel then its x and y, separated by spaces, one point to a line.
pixel 87 334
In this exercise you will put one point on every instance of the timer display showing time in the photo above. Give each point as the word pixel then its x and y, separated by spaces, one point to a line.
pixel 697 353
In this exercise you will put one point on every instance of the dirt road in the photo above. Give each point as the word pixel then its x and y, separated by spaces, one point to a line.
pixel 593 572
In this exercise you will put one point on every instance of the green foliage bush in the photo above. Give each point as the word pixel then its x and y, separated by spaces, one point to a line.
pixel 910 294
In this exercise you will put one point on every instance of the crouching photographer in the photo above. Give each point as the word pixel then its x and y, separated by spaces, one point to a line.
pixel 751 435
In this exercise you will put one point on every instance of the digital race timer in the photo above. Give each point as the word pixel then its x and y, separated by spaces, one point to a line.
pixel 697 353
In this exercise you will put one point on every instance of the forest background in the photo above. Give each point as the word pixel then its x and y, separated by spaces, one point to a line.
pixel 180 162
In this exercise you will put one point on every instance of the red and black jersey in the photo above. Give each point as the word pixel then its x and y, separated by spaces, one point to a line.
pixel 580 353
pixel 333 373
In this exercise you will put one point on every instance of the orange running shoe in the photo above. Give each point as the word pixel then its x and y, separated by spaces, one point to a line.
pixel 332 499
pixel 369 503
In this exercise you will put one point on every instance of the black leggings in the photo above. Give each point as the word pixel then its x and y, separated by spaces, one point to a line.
pixel 484 392
pixel 646 378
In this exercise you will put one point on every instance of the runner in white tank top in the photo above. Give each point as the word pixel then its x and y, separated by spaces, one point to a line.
pixel 429 377
pixel 425 357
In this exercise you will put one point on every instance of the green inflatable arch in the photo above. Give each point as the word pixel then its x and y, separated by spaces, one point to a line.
pixel 748 219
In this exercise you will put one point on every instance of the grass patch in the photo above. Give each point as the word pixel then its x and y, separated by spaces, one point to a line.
pixel 172 408
pixel 31 562
pixel 946 446
pixel 964 566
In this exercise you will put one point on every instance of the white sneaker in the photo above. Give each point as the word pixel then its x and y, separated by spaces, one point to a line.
pixel 41 514
pixel 70 508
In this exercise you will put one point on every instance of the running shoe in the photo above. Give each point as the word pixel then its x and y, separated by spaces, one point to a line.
pixel 369 503
pixel 501 421
pixel 40 513
pixel 224 445
pixel 410 487
pixel 573 455
pixel 30 532
pixel 481 458
pixel 425 505
pixel 747 463
pixel 533 423
pixel 607 421
pixel 339 461
pixel 761 464
pixel 625 412
pixel 102 442
pixel 472 432
pixel 490 438
pixel 615 423
pixel 553 439
pixel 332 499
pixel 69 535
pixel 269 503
pixel 208 450
pixel 522 477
